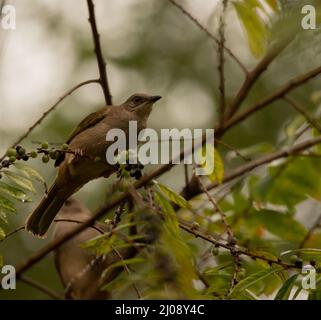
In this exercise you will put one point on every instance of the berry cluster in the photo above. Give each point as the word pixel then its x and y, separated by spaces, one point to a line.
pixel 20 153
pixel 134 170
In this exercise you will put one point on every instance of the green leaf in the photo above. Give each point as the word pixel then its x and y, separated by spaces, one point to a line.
pixel 14 192
pixel 7 205
pixel 254 26
pixel 213 164
pixel 123 263
pixel 2 236
pixel 285 290
pixel 29 172
pixel 173 196
pixel 20 181
pixel 253 279
pixel 304 253
pixel 290 183
pixel 280 224
pixel 218 173
pixel 169 213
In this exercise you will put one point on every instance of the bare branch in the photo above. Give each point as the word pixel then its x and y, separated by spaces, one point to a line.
pixel 299 108
pixel 209 34
pixel 240 251
pixel 289 86
pixel 221 63
pixel 52 108
pixel 49 292
pixel 99 55
pixel 254 75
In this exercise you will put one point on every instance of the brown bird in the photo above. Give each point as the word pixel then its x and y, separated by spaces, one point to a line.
pixel 88 141
pixel 80 271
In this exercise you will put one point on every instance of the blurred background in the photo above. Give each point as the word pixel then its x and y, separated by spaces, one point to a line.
pixel 150 47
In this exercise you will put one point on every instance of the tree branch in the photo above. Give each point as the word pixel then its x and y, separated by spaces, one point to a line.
pixel 254 75
pixel 209 34
pixel 52 108
pixel 300 109
pixel 40 287
pixel 221 63
pixel 100 59
pixel 291 85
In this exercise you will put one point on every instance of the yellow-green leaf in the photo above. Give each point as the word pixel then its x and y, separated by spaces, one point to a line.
pixel 20 181
pixel 29 172
pixel 14 192
pixel 7 205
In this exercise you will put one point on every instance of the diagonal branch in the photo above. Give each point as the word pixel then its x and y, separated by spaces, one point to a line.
pixel 39 286
pixel 52 108
pixel 254 75
pixel 99 55
pixel 280 93
pixel 221 62
pixel 209 34
pixel 299 108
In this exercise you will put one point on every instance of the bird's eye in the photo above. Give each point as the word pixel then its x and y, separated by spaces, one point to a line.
pixel 137 99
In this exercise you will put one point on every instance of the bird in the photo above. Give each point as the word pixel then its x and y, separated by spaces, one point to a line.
pixel 80 270
pixel 88 142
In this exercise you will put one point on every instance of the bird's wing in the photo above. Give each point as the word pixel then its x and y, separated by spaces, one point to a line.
pixel 86 123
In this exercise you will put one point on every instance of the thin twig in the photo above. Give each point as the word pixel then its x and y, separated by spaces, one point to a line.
pixel 299 108
pixel 99 55
pixel 11 233
pixel 280 93
pixel 41 287
pixel 255 74
pixel 240 251
pixel 209 34
pixel 128 271
pixel 221 62
pixel 315 226
pixel 52 108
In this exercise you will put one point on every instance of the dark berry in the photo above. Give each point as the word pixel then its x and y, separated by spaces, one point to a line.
pixel 128 167
pixel 5 163
pixel 53 154
pixel 299 263
pixel 313 263
pixel 140 166
pixel 137 174
pixel 25 158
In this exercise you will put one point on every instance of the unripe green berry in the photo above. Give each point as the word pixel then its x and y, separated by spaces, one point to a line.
pixel 11 152
pixel 53 154
pixel 65 146
pixel 45 145
pixel 195 225
pixel 45 158
pixel 21 151
pixel 33 154
pixel 12 159
pixel 293 258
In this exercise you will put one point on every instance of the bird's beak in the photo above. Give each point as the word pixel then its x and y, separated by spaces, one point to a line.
pixel 154 98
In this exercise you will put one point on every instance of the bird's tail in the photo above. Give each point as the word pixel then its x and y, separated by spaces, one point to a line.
pixel 39 221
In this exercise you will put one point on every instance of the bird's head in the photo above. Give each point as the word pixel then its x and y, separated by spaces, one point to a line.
pixel 140 104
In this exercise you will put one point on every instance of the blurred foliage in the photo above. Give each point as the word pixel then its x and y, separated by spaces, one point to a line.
pixel 272 211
